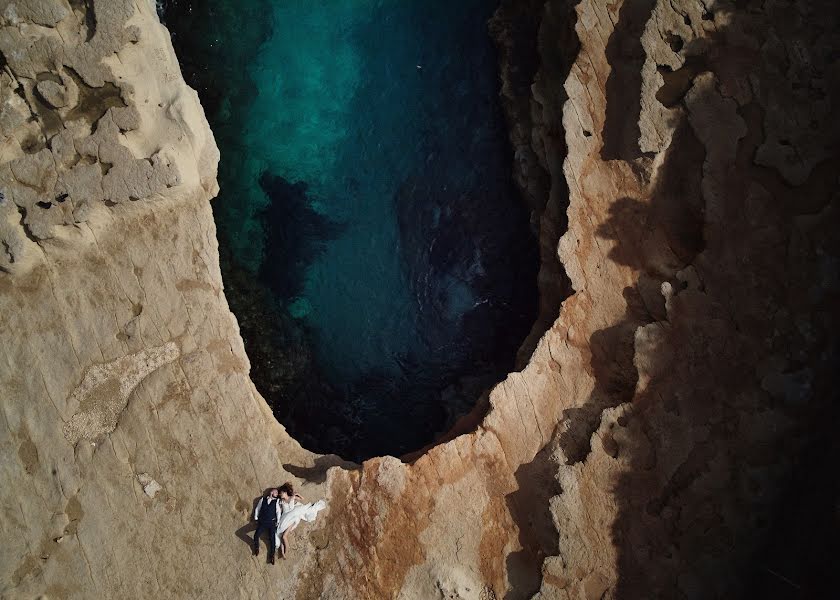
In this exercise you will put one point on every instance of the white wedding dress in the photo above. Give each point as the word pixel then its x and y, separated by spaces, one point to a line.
pixel 293 513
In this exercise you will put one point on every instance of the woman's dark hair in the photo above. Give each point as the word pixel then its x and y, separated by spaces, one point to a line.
pixel 288 488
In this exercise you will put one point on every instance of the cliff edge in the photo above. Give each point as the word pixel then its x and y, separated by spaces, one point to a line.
pixel 680 160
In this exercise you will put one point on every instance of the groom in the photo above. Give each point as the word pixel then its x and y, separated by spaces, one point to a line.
pixel 266 515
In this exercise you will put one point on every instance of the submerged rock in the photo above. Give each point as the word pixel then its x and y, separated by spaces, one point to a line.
pixel 669 436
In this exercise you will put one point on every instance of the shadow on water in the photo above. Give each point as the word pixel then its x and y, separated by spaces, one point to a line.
pixel 295 235
pixel 467 254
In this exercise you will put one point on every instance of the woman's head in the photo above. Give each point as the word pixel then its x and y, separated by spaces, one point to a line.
pixel 287 490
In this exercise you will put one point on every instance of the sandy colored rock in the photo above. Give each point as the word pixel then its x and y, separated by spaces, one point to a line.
pixel 105 389
pixel 63 94
pixel 680 167
pixel 150 486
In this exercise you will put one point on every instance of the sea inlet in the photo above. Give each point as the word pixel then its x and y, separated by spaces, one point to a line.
pixel 374 249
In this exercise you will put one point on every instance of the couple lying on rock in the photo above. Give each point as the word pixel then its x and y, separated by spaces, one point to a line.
pixel 278 513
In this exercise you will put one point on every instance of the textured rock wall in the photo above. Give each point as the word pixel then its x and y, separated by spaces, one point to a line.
pixel 133 442
pixel 701 167
pixel 641 451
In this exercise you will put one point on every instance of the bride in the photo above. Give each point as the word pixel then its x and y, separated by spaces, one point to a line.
pixel 293 512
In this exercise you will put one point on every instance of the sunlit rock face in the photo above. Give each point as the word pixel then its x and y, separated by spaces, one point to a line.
pixel 669 436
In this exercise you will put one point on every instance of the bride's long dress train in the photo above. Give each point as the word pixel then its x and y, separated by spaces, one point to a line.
pixel 301 512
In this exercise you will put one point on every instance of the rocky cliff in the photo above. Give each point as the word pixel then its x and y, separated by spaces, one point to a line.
pixel 644 451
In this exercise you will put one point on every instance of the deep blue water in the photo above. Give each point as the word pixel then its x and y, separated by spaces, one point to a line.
pixel 374 249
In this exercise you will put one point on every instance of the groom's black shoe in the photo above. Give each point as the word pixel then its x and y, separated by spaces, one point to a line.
pixel 271 558
pixel 256 550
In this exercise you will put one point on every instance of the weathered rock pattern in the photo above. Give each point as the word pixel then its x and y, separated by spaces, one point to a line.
pixel 641 452
pixel 709 264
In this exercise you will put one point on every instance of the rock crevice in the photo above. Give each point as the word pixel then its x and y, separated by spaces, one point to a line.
pixel 677 157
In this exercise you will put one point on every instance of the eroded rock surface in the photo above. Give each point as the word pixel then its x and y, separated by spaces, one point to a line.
pixel 702 243
pixel 104 391
pixel 642 452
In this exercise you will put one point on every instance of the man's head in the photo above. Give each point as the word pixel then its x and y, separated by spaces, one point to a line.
pixel 273 492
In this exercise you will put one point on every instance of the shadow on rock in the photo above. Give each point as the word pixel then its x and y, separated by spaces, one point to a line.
pixel 530 508
pixel 318 472
pixel 734 393
pixel 251 526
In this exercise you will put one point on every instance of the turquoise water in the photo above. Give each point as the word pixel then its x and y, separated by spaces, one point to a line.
pixel 374 250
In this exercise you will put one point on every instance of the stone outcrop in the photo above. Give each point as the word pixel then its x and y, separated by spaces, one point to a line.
pixel 643 450
pixel 702 289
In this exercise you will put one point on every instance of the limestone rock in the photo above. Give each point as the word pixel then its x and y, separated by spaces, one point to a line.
pixel 60 95
pixel 678 157
pixel 150 486
pixel 105 390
